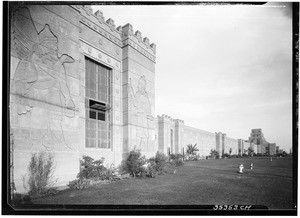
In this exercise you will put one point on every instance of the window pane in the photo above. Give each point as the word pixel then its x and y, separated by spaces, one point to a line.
pixel 91 133
pixel 102 126
pixel 87 143
pixel 92 114
pixel 101 116
pixel 99 144
pixel 92 124
pixel 93 143
pixel 103 134
pixel 103 144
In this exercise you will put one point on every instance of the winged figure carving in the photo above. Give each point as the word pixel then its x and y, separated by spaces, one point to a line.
pixel 40 68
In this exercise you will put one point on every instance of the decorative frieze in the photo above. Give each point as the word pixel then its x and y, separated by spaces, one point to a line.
pixel 96 21
pixel 102 32
pixel 94 52
pixel 139 49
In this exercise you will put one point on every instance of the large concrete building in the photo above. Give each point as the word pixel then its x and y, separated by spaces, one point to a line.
pixel 79 85
pixel 257 137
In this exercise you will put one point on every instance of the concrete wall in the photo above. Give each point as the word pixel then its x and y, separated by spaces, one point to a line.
pixel 174 136
pixel 272 148
pixel 231 143
pixel 49 45
pixel 259 151
pixel 45 104
pixel 205 140
pixel 138 92
pixel 166 140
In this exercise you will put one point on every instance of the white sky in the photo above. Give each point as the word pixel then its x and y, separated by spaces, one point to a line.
pixel 220 68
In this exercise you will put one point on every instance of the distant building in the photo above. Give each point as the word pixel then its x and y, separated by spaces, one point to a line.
pixel 263 147
pixel 272 148
pixel 257 137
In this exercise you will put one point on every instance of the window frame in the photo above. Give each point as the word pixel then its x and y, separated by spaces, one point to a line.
pixel 106 107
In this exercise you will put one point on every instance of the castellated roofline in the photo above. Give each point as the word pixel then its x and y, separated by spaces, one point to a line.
pixel 127 32
pixel 169 118
pixel 122 35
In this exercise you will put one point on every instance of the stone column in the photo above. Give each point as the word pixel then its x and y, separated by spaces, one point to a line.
pixel 179 126
pixel 138 75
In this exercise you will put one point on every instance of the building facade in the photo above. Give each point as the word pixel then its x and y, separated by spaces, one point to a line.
pixel 79 85
pixel 264 147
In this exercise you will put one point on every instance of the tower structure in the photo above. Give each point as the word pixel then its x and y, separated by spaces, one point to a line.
pixel 257 137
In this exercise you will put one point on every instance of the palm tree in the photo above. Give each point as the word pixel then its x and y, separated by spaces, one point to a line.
pixel 191 150
pixel 214 153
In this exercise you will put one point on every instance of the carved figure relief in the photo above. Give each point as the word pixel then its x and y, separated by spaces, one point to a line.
pixel 141 111
pixel 41 72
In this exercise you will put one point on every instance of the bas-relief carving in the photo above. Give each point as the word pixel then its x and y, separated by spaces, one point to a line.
pixel 141 113
pixel 41 71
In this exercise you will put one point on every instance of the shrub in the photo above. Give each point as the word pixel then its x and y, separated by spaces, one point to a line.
pixel 92 169
pixel 18 198
pixel 40 172
pixel 79 183
pixel 159 161
pixel 134 163
pixel 225 155
pixel 177 162
pixel 175 156
pixel 151 169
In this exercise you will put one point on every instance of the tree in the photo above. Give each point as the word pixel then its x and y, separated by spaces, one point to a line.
pixel 250 151
pixel 214 153
pixel 192 149
pixel 230 151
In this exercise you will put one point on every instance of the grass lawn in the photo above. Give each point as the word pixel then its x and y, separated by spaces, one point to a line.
pixel 201 182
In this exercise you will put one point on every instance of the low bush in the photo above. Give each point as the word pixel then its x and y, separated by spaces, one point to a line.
pixel 175 156
pixel 91 172
pixel 151 169
pixel 18 198
pixel 225 155
pixel 92 169
pixel 79 184
pixel 158 162
pixel 233 156
pixel 134 164
pixel 40 175
pixel 177 162
pixel 195 157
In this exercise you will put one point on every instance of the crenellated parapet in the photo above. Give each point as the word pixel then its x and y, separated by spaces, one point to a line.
pixel 179 122
pixel 121 35
pixel 168 118
pixel 136 41
pixel 96 22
